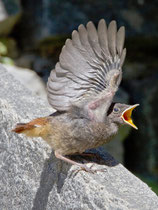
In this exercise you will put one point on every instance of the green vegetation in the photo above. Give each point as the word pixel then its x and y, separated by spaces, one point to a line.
pixel 4 52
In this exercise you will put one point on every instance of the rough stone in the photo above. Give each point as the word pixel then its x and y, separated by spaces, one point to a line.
pixel 32 178
pixel 29 79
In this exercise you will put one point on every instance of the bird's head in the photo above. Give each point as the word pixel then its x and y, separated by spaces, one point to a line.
pixel 121 114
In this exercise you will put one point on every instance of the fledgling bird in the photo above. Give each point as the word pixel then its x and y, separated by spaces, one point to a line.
pixel 81 88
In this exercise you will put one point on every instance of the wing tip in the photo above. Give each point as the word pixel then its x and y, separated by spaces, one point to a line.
pixel 123 56
pixel 74 33
pixel 80 27
pixel 89 23
pixel 113 24
pixel 101 20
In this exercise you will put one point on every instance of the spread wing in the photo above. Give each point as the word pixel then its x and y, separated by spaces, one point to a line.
pixel 89 63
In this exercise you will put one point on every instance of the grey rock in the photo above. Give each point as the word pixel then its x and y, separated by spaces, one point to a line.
pixel 32 178
pixel 29 79
pixel 9 15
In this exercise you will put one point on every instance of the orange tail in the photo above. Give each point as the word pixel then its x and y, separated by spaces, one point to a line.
pixel 22 127
pixel 34 128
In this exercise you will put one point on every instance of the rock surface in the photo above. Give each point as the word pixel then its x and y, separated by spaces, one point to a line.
pixel 29 79
pixel 32 178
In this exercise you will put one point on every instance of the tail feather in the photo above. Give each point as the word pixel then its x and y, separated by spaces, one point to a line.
pixel 22 127
pixel 34 128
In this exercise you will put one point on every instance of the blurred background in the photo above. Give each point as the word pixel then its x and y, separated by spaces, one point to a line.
pixel 32 33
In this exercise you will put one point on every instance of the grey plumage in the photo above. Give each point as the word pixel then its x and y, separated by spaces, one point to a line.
pixel 87 64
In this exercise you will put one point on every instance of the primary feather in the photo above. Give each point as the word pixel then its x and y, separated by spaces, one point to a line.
pixel 89 66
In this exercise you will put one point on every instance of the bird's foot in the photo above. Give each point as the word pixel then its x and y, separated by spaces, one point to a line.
pixel 81 165
pixel 84 167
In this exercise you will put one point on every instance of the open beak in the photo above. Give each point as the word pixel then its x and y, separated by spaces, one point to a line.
pixel 126 116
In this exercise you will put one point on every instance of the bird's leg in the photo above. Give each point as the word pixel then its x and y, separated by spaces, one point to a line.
pixel 83 166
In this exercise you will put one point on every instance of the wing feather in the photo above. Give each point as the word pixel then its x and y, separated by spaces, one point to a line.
pixel 120 40
pixel 112 30
pixel 93 39
pixel 89 64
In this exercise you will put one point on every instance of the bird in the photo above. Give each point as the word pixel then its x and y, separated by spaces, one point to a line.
pixel 81 89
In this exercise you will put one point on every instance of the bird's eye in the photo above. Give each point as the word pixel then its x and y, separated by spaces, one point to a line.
pixel 116 110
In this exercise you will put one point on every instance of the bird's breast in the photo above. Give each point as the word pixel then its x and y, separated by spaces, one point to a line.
pixel 77 135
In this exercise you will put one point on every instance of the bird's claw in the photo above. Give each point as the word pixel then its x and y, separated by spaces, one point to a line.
pixel 90 169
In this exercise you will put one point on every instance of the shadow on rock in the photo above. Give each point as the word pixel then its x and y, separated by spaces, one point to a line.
pixel 56 171
pixel 98 156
